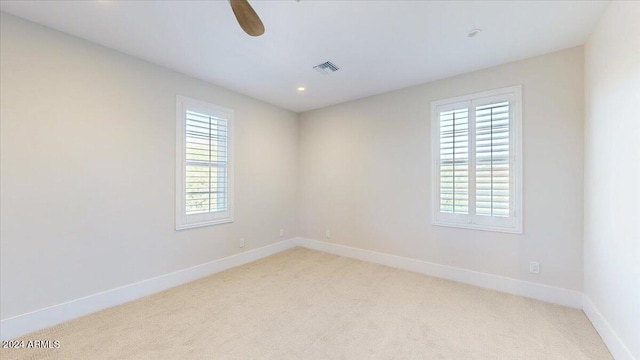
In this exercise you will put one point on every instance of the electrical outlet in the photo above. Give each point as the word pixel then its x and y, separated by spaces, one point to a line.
pixel 534 267
pixel 281 232
pixel 327 234
pixel 241 244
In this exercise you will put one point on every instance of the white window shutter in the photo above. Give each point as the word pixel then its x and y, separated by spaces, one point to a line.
pixel 477 151
pixel 492 155
pixel 206 163
pixel 454 161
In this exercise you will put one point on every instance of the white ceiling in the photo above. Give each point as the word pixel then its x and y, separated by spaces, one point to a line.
pixel 378 45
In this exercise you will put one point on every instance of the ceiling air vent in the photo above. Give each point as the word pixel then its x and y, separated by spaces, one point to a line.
pixel 326 68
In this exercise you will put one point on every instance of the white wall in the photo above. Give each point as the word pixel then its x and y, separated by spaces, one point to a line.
pixel 87 172
pixel 88 157
pixel 612 177
pixel 365 174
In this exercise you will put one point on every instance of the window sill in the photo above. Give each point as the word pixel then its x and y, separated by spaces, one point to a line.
pixel 510 230
pixel 203 223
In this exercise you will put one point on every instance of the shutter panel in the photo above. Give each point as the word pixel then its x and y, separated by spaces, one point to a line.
pixel 454 161
pixel 492 160
pixel 206 154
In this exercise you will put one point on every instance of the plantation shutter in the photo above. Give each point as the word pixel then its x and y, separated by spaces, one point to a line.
pixel 206 162
pixel 454 161
pixel 477 159
pixel 492 159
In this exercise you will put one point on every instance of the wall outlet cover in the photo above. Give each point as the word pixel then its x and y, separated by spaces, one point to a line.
pixel 534 267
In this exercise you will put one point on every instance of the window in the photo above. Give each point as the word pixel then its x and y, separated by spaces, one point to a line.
pixel 204 164
pixel 477 159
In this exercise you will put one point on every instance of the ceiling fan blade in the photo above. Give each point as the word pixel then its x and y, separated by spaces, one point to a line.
pixel 247 17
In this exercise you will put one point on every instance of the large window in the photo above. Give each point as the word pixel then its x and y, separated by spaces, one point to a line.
pixel 477 157
pixel 204 164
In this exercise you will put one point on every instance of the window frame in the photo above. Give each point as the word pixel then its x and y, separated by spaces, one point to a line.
pixel 184 221
pixel 511 224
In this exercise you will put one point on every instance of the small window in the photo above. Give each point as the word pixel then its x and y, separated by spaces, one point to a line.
pixel 204 164
pixel 477 159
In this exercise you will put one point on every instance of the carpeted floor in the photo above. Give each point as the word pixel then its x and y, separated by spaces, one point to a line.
pixel 304 304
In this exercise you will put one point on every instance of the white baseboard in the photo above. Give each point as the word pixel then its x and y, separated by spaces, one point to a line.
pixel 504 284
pixel 617 348
pixel 43 318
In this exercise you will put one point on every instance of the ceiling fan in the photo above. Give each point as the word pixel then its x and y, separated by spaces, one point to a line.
pixel 247 17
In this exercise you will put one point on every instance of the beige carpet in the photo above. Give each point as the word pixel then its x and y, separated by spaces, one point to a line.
pixel 303 304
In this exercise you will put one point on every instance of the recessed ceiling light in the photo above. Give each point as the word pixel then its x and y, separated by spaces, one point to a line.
pixel 474 32
pixel 301 88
